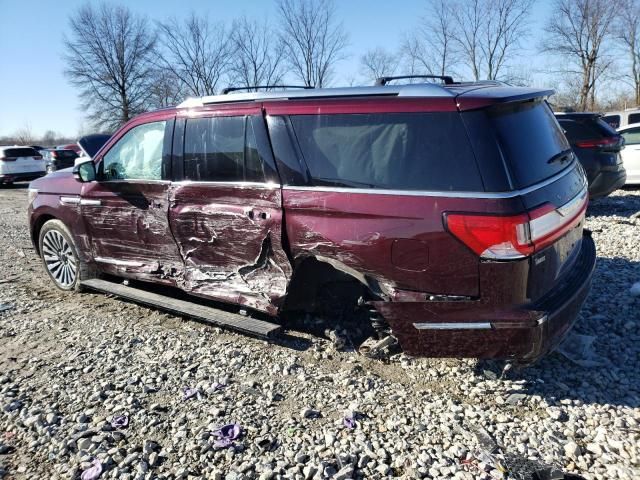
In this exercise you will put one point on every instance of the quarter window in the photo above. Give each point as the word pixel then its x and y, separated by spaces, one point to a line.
pixel 137 155
pixel 221 149
pixel 406 151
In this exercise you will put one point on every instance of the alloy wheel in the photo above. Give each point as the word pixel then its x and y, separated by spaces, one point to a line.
pixel 59 258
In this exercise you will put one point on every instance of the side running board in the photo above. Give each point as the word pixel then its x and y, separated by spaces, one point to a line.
pixel 232 321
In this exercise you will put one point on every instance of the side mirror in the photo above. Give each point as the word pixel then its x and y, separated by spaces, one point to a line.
pixel 85 172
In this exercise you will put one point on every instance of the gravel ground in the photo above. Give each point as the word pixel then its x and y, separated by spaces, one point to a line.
pixel 71 364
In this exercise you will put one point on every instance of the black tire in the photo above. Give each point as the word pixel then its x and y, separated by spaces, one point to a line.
pixel 60 258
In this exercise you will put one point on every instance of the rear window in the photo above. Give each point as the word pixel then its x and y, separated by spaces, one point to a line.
pixel 403 151
pixel 20 152
pixel 588 128
pixel 529 137
pixel 65 154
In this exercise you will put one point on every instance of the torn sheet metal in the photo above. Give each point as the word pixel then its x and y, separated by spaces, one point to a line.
pixel 230 241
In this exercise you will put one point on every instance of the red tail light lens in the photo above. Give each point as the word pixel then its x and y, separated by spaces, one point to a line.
pixel 598 142
pixel 517 236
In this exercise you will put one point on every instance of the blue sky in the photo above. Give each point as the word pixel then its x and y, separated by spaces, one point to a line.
pixel 34 91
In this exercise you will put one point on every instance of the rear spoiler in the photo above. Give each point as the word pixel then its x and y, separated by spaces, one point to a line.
pixel 485 96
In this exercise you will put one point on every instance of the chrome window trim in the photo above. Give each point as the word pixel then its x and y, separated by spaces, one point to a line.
pixel 265 185
pixel 432 193
pixel 453 326
pixel 134 180
pixel 89 202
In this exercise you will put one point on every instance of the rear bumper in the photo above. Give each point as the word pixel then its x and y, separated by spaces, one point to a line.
pixel 21 177
pixel 607 181
pixel 473 329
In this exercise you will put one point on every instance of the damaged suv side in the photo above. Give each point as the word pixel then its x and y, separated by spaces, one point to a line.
pixel 452 215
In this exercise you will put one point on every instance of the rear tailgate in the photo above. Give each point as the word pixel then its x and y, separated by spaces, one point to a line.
pixel 541 165
pixel 21 160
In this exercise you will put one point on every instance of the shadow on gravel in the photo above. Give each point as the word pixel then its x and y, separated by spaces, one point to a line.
pixel 612 316
pixel 622 205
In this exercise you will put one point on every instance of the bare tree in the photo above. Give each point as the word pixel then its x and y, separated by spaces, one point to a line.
pixel 430 48
pixel 312 40
pixel 627 34
pixel 578 32
pixel 378 62
pixel 165 89
pixel 197 52
pixel 258 56
pixel 108 56
pixel 24 135
pixel 488 34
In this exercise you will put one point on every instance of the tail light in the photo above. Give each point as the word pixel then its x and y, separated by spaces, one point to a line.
pixel 599 142
pixel 517 236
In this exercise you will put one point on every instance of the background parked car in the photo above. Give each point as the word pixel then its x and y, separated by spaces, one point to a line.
pixel 57 159
pixel 622 118
pixel 631 153
pixel 597 146
pixel 20 163
pixel 70 146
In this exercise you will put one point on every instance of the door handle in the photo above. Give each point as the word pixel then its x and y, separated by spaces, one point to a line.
pixel 254 214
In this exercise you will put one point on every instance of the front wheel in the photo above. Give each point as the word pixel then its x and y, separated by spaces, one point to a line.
pixel 60 256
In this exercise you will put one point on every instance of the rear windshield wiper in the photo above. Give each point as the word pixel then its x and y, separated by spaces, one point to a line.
pixel 562 156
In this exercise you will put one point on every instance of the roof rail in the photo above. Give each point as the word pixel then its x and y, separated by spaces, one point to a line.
pixel 409 90
pixel 227 90
pixel 446 79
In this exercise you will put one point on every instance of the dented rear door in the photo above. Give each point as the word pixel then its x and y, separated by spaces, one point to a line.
pixel 226 210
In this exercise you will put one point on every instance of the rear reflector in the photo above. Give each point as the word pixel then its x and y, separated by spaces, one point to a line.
pixel 517 236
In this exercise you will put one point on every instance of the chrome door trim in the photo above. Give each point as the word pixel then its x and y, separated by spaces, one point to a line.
pixel 453 326
pixel 86 201
pixel 115 261
pixel 69 200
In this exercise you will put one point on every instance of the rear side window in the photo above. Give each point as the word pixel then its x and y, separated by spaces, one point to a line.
pixel 613 120
pixel 633 118
pixel 403 151
pixel 222 149
pixel 20 152
pixel 529 137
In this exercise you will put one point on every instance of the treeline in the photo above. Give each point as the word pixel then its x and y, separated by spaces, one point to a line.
pixel 124 63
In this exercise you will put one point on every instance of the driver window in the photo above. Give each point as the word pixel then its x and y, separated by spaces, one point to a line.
pixel 137 155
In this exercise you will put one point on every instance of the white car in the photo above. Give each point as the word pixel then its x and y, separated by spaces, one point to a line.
pixel 631 152
pixel 20 164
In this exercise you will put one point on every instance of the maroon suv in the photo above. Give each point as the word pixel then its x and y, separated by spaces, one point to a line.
pixel 451 213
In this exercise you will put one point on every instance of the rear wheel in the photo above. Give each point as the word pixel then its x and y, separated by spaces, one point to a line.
pixel 60 256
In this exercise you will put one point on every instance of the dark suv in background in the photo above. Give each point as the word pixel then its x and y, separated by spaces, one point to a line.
pixel 57 158
pixel 447 216
pixel 597 146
